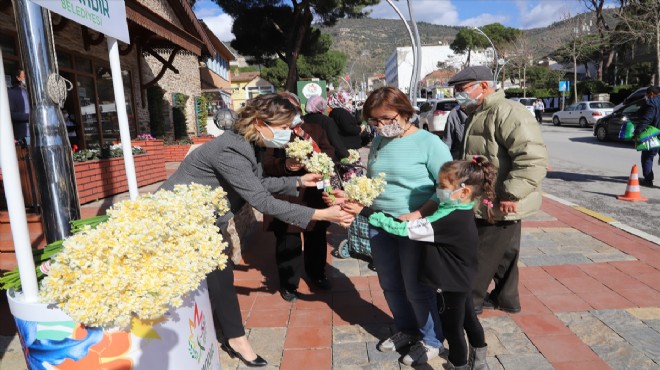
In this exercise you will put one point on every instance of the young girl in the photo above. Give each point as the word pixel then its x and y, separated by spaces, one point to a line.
pixel 449 263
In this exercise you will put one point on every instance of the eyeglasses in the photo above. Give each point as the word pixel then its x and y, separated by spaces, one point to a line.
pixel 382 121
pixel 463 88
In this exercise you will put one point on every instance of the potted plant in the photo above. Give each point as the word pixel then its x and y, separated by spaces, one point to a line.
pixel 127 290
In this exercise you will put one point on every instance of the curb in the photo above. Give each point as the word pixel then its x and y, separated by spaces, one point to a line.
pixel 606 219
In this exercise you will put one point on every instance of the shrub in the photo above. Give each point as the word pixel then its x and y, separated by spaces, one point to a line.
pixel 202 113
pixel 179 115
pixel 155 101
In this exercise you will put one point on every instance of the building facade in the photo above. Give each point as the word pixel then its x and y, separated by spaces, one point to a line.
pixel 167 45
pixel 399 65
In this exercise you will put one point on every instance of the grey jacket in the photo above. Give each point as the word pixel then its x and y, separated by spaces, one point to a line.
pixel 231 162
pixel 453 134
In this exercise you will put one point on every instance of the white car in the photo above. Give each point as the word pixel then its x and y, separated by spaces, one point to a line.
pixel 584 113
pixel 433 114
pixel 527 102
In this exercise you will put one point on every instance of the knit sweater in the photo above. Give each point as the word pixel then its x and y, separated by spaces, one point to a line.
pixel 411 165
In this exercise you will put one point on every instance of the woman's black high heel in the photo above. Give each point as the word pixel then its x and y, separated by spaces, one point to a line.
pixel 257 362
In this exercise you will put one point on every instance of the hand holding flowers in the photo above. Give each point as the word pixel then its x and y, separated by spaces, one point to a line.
pixel 364 190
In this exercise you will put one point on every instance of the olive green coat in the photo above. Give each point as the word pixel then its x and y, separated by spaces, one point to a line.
pixel 506 134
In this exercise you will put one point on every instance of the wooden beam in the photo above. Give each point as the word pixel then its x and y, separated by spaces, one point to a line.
pixel 88 41
pixel 166 66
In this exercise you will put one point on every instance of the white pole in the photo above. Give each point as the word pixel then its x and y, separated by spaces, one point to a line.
pixel 122 117
pixel 15 203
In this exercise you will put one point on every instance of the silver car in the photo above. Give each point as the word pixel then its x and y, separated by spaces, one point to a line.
pixel 584 113
pixel 433 114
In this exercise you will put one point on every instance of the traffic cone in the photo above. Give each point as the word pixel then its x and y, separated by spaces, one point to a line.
pixel 632 190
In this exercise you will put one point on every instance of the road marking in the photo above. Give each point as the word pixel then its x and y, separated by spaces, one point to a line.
pixel 607 219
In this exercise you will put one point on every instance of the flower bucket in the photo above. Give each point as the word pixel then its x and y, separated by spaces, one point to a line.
pixel 183 339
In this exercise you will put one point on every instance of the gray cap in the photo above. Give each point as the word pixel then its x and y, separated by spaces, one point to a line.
pixel 475 73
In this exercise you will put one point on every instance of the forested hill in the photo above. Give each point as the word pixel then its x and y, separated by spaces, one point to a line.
pixel 369 42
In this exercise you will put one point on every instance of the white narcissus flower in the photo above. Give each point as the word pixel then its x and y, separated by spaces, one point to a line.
pixel 320 163
pixel 299 149
pixel 149 254
pixel 364 190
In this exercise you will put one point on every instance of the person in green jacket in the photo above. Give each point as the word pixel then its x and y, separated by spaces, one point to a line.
pixel 450 242
pixel 508 136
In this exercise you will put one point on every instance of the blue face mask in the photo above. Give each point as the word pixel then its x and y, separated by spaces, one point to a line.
pixel 444 196
pixel 464 100
pixel 280 138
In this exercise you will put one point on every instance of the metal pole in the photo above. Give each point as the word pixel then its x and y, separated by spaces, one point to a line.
pixel 412 94
pixel 418 54
pixel 122 117
pixel 15 203
pixel 494 52
pixel 49 143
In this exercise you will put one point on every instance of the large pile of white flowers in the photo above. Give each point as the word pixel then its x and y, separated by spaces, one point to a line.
pixel 364 190
pixel 142 261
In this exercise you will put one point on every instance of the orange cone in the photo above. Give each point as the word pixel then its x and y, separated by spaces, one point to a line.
pixel 632 190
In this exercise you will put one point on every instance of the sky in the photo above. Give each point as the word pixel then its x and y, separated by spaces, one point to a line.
pixel 523 14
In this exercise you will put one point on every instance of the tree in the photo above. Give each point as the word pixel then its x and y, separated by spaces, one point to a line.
pixel 640 22
pixel 503 38
pixel 606 51
pixel 467 40
pixel 521 57
pixel 326 66
pixel 268 29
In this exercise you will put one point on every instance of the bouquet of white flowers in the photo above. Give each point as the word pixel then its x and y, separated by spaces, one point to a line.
pixel 353 157
pixel 149 254
pixel 364 190
pixel 299 149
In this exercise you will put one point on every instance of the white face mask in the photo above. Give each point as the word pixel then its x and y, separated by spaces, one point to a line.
pixel 464 100
pixel 297 121
pixel 280 138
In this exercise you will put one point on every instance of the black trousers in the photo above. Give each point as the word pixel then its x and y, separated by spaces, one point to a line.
pixel 499 249
pixel 539 116
pixel 224 303
pixel 290 258
pixel 457 314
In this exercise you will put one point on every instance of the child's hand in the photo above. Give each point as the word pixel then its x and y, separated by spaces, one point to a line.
pixel 410 216
pixel 336 197
pixel 352 207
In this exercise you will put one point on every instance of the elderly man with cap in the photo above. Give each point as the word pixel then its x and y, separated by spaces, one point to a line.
pixel 504 132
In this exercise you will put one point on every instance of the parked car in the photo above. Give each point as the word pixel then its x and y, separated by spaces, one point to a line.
pixel 433 114
pixel 608 127
pixel 527 102
pixel 636 95
pixel 584 113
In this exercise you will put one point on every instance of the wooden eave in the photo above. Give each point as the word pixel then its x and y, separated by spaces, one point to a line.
pixel 220 47
pixel 159 26
pixel 182 7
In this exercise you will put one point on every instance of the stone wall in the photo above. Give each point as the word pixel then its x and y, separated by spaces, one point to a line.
pixel 187 81
pixel 161 8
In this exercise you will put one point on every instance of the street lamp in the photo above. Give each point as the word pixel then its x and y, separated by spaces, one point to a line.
pixel 497 72
pixel 412 89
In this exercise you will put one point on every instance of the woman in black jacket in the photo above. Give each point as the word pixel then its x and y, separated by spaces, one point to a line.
pixel 347 127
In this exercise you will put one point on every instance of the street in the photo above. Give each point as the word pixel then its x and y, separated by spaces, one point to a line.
pixel 592 173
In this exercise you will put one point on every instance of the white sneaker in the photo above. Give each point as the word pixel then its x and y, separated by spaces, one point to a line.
pixel 396 342
pixel 420 353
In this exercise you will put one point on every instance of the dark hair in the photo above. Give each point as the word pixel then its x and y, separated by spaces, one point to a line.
pixel 478 173
pixel 391 98
pixel 293 98
pixel 653 90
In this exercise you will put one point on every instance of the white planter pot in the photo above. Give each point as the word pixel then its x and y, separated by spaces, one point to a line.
pixel 184 340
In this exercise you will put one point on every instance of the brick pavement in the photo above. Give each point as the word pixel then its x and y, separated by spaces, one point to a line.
pixel 589 291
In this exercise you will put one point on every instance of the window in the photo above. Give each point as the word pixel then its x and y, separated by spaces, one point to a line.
pixel 601 105
pixel 259 90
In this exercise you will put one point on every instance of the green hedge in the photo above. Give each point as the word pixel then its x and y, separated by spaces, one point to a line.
pixel 179 115
pixel 155 101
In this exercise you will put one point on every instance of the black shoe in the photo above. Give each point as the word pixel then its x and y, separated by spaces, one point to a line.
pixel 289 295
pixel 322 283
pixel 257 362
pixel 490 303
pixel 646 183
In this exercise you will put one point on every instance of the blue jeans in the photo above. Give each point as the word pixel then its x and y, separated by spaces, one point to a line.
pixel 647 163
pixel 397 261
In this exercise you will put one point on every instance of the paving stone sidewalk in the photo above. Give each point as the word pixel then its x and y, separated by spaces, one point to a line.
pixel 589 292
